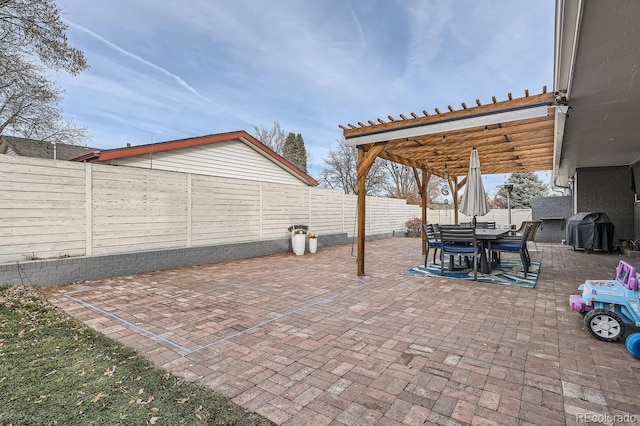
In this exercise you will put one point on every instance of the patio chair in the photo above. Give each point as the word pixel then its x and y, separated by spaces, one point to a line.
pixel 459 241
pixel 535 224
pixel 513 245
pixel 432 241
pixel 486 225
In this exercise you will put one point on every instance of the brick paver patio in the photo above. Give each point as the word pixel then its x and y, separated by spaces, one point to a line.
pixel 303 340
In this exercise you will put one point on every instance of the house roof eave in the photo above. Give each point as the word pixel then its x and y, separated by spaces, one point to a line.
pixel 241 135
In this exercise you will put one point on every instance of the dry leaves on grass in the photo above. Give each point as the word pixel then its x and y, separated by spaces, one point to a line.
pixel 98 397
pixel 109 371
pixel 20 294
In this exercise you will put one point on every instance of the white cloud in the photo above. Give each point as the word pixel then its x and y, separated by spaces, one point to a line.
pixel 213 65
pixel 150 64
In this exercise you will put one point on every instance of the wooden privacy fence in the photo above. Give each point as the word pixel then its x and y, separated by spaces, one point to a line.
pixel 54 209
pixel 58 208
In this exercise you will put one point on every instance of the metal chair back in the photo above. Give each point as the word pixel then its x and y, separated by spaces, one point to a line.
pixel 432 239
pixel 459 241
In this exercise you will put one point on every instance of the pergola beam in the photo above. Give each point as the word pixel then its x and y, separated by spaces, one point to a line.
pixel 445 126
pixel 498 107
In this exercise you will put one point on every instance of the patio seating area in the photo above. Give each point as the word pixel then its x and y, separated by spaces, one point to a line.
pixel 303 340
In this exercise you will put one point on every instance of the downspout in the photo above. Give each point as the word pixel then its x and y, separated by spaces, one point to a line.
pixel 567 31
pixel 557 152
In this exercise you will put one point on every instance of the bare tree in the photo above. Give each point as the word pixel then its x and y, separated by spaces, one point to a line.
pixel 435 189
pixel 339 171
pixel 273 137
pixel 402 182
pixel 498 201
pixel 32 39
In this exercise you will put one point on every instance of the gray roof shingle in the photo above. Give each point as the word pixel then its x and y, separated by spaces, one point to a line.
pixel 42 149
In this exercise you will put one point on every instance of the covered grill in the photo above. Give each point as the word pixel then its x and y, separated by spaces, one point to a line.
pixel 590 231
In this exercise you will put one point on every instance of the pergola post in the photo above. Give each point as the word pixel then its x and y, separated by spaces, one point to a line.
pixel 366 157
pixel 452 190
pixel 422 183
pixel 455 186
pixel 362 203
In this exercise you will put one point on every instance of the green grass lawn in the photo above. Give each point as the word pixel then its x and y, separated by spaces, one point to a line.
pixel 56 371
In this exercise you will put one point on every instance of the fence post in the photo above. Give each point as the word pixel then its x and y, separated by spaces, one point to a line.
pixel 309 209
pixel 343 212
pixel 88 200
pixel 189 210
pixel 261 209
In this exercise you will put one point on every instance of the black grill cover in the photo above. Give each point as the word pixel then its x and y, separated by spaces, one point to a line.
pixel 590 231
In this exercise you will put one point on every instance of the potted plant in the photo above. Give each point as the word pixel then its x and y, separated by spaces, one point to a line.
pixel 298 238
pixel 313 242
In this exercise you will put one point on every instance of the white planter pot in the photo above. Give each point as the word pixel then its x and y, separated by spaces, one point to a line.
pixel 313 245
pixel 298 243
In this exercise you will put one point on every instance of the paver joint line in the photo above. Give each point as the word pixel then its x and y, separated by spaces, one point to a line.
pixel 129 323
pixel 227 338
pixel 262 290
pixel 286 314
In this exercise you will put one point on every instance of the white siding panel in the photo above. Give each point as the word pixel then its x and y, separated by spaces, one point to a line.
pixel 400 212
pixel 500 216
pixel 350 209
pixel 326 207
pixel 282 207
pixel 48 250
pixel 135 209
pixel 41 208
pixel 377 215
pixel 232 159
pixel 224 210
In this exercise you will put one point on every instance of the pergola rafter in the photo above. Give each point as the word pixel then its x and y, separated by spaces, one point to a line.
pixel 514 135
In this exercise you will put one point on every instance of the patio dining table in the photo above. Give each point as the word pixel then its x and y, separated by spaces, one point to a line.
pixel 485 235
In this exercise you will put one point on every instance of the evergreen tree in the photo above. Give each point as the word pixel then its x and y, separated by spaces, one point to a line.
pixel 301 153
pixel 294 151
pixel 289 148
pixel 526 185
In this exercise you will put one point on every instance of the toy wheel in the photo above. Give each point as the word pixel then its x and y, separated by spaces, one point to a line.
pixel 604 325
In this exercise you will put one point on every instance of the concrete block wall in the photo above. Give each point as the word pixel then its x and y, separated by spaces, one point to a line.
pixel 44 273
pixel 636 217
pixel 552 230
pixel 608 190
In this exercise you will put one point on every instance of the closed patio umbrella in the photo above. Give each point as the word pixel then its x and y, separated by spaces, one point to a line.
pixel 474 200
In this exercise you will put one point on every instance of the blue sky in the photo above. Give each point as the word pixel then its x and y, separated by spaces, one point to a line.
pixel 163 70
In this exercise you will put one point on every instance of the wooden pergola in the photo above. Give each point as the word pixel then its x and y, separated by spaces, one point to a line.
pixel 514 135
